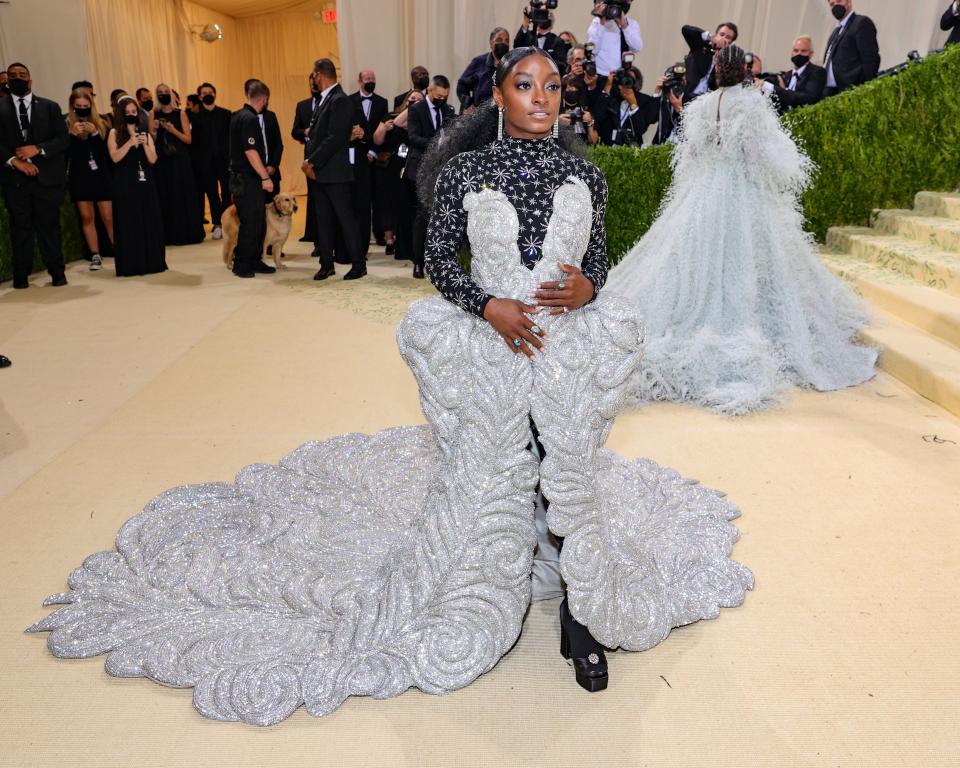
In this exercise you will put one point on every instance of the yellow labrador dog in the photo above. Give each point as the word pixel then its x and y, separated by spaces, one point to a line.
pixel 279 219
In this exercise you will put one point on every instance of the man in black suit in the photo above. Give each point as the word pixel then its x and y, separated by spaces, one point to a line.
pixel 699 61
pixel 853 55
pixel 329 169
pixel 951 21
pixel 211 135
pixel 271 129
pixel 426 120
pixel 301 122
pixel 802 85
pixel 33 140
pixel 540 35
pixel 475 85
pixel 370 110
pixel 419 79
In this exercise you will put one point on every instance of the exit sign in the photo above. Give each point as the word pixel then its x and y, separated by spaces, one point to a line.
pixel 330 17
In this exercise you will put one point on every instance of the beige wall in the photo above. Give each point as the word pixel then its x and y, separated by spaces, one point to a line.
pixel 393 35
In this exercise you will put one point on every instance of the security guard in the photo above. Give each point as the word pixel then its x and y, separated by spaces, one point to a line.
pixel 249 180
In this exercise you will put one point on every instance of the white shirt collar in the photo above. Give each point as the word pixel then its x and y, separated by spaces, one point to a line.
pixel 802 69
pixel 845 19
pixel 326 91
pixel 28 99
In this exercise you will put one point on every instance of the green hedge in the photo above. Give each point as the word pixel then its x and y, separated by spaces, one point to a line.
pixel 69 227
pixel 876 146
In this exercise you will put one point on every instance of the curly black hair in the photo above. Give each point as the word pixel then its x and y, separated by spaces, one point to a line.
pixel 477 129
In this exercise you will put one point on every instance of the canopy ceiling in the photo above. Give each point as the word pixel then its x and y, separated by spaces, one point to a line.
pixel 240 9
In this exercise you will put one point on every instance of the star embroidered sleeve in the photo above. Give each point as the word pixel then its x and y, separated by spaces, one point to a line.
pixel 595 261
pixel 446 234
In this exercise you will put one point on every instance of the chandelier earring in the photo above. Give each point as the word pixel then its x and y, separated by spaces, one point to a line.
pixel 500 124
pixel 556 129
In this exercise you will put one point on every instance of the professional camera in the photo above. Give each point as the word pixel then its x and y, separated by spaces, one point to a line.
pixel 540 11
pixel 614 9
pixel 589 60
pixel 675 79
pixel 627 76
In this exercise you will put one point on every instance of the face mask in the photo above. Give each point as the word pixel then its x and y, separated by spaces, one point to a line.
pixel 163 98
pixel 209 99
pixel 83 112
pixel 839 12
pixel 439 103
pixel 369 87
pixel 19 87
pixel 131 119
pixel 543 30
pixel 500 50
pixel 800 61
pixel 571 98
pixel 147 105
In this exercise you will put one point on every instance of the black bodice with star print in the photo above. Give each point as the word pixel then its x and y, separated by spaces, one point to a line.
pixel 528 172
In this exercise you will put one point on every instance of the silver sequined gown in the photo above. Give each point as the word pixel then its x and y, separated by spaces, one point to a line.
pixel 370 564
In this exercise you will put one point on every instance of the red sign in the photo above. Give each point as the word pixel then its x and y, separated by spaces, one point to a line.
pixel 330 17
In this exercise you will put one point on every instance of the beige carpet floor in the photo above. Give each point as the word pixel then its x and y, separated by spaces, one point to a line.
pixel 845 654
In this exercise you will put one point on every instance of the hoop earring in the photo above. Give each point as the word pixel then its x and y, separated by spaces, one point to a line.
pixel 500 124
pixel 556 129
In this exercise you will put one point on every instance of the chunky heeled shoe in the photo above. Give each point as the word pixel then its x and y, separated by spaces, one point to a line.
pixel 591 670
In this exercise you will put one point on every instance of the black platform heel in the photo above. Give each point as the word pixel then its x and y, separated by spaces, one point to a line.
pixel 591 671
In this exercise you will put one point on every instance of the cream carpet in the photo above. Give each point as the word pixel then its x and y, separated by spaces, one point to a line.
pixel 845 654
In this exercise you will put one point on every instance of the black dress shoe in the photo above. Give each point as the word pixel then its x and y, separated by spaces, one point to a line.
pixel 242 272
pixel 355 274
pixel 390 249
pixel 264 269
pixel 19 284
pixel 323 274
pixel 5 361
pixel 59 281
pixel 304 240
pixel 591 671
pixel 418 271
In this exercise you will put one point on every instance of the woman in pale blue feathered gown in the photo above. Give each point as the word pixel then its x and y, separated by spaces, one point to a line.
pixel 736 303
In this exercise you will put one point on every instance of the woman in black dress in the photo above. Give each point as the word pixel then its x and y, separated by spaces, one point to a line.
pixel 137 226
pixel 179 209
pixel 397 195
pixel 91 182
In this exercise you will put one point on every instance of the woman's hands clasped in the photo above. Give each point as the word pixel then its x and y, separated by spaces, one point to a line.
pixel 560 296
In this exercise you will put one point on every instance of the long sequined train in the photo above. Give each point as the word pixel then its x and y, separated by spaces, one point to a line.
pixel 370 564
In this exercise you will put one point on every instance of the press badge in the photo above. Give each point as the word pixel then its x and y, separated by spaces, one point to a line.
pixel 403 150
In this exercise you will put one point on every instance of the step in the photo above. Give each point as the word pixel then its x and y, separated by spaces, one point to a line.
pixel 945 204
pixel 929 266
pixel 930 310
pixel 937 232
pixel 925 364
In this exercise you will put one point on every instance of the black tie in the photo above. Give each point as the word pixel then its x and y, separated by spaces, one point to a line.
pixel 439 118
pixel 24 120
pixel 830 45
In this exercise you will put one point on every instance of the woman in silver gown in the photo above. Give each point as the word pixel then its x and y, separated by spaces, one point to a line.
pixel 367 565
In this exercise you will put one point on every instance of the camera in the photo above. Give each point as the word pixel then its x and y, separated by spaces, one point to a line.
pixel 675 79
pixel 589 62
pixel 540 11
pixel 614 9
pixel 627 76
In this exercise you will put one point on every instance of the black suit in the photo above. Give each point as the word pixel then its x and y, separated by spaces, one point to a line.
pixel 211 139
pixel 552 44
pixel 363 167
pixel 421 130
pixel 327 151
pixel 698 61
pixel 301 121
pixel 854 53
pixel 271 127
pixel 809 88
pixel 951 21
pixel 34 202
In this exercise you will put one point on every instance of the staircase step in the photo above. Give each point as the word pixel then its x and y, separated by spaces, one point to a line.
pixel 929 266
pixel 945 204
pixel 937 232
pixel 925 364
pixel 930 310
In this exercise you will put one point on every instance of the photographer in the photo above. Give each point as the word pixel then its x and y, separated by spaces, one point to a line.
pixel 801 85
pixel 613 34
pixel 575 111
pixel 628 112
pixel 475 85
pixel 536 32
pixel 670 90
pixel 699 62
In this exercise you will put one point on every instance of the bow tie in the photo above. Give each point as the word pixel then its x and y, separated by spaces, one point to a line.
pixel 366 98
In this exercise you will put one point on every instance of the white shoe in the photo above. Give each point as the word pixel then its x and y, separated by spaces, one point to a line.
pixel 217 233
pixel 96 262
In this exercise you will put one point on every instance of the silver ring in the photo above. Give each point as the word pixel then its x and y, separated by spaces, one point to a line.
pixel 561 286
pixel 536 330
pixel 566 309
pixel 516 342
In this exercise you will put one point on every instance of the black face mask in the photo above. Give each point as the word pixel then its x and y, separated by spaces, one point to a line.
pixel 800 61
pixel 147 105
pixel 83 112
pixel 164 98
pixel 422 83
pixel 209 99
pixel 131 119
pixel 543 30
pixel 838 12
pixel 500 50
pixel 439 103
pixel 18 86
pixel 571 98
pixel 369 87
